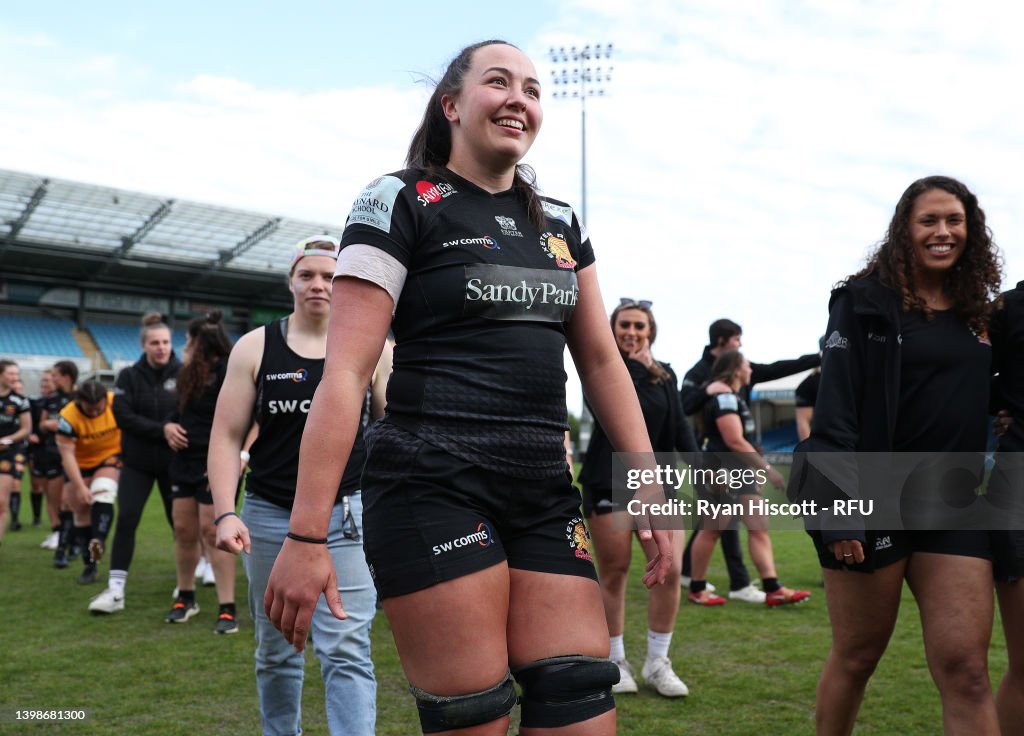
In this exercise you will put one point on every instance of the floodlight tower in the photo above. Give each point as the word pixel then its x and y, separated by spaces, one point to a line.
pixel 574 76
pixel 578 74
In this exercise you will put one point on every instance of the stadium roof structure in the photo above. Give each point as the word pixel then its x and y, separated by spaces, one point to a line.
pixel 74 234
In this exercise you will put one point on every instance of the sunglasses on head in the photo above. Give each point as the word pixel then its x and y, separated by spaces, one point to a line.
pixel 625 301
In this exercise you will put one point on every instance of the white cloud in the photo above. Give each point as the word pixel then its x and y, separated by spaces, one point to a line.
pixel 747 157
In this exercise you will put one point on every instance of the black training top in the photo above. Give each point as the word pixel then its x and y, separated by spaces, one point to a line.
pixel 720 405
pixel 944 385
pixel 284 390
pixel 1007 333
pixel 807 391
pixel 52 405
pixel 480 323
pixel 196 418
pixel 144 399
pixel 667 428
pixel 12 406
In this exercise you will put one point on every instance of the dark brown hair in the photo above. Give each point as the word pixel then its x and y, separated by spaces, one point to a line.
pixel 972 283
pixel 210 343
pixel 725 366
pixel 431 144
pixel 90 392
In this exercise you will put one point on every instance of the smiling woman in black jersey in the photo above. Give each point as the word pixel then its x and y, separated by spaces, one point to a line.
pixel 906 368
pixel 473 529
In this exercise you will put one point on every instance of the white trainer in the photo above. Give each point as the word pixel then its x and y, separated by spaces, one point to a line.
pixel 201 567
pixel 684 582
pixel 658 674
pixel 208 578
pixel 109 601
pixel 626 683
pixel 750 594
pixel 51 541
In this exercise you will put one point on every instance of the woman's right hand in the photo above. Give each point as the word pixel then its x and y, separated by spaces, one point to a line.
pixel 301 573
pixel 717 387
pixel 176 436
pixel 82 494
pixel 233 535
pixel 847 551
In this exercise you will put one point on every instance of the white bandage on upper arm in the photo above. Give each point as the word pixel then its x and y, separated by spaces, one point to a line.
pixel 373 265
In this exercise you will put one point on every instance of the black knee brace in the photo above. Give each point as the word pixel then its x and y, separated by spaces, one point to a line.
pixel 445 712
pixel 560 691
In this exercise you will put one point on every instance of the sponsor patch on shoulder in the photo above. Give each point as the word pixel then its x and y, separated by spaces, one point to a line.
pixel 375 205
pixel 727 402
pixel 557 212
pixel 835 340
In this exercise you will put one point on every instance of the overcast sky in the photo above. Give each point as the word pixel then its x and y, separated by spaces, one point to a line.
pixel 746 156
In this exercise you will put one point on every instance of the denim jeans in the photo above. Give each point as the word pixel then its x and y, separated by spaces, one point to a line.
pixel 343 647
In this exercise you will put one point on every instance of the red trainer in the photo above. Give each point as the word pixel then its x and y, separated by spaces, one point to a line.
pixel 706 598
pixel 784 596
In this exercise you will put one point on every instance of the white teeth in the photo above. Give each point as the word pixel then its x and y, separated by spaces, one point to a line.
pixel 940 248
pixel 511 124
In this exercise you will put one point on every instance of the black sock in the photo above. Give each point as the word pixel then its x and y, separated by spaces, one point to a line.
pixel 698 586
pixel 770 584
pixel 14 504
pixel 37 507
pixel 67 526
pixel 102 517
pixel 227 608
pixel 82 536
pixel 189 596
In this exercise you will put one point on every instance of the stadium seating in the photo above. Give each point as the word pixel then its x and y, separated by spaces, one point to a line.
pixel 25 335
pixel 121 342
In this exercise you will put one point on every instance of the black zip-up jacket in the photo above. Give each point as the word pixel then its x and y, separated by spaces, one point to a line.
pixel 857 399
pixel 144 400
pixel 694 396
pixel 1007 333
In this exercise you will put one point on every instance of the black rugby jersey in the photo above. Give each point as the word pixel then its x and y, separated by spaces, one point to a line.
pixel 480 323
pixel 12 406
pixel 52 405
pixel 720 405
pixel 284 391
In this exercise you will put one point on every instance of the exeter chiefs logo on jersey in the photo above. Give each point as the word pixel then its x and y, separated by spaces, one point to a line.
pixel 556 247
pixel 579 539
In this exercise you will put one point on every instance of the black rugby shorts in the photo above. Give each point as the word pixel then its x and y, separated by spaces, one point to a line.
pixel 430 517
pixel 888 547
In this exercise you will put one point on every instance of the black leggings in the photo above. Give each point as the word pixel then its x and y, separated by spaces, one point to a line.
pixel 132 493
pixel 739 577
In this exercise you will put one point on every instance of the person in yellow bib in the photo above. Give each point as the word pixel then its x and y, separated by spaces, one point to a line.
pixel 89 441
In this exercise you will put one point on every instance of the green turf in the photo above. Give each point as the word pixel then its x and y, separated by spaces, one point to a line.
pixel 750 670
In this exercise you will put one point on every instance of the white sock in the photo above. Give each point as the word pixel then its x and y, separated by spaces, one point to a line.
pixel 618 649
pixel 657 644
pixel 117 580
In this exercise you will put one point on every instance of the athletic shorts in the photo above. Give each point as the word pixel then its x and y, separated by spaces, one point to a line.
pixel 888 547
pixel 188 478
pixel 12 463
pixel 599 501
pixel 114 461
pixel 46 463
pixel 430 517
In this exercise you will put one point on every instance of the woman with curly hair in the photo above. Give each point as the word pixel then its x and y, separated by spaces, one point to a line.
pixel 906 368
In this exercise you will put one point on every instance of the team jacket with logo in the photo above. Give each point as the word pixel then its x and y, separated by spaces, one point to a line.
pixel 96 438
pixel 480 323
pixel 12 406
pixel 284 392
pixel 859 396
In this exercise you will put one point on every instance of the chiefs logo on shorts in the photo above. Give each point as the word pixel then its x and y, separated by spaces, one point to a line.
pixel 556 247
pixel 579 539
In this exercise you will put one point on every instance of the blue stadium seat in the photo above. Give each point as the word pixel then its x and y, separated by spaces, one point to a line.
pixel 24 335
